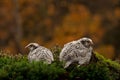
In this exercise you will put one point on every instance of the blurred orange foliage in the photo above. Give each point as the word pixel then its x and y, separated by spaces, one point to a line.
pixel 51 22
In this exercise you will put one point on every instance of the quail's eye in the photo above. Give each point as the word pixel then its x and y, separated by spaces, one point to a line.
pixel 87 41
pixel 83 42
pixel 31 45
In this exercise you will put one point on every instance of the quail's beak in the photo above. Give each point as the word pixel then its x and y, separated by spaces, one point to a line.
pixel 27 46
pixel 91 43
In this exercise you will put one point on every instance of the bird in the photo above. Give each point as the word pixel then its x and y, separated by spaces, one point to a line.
pixel 79 51
pixel 39 53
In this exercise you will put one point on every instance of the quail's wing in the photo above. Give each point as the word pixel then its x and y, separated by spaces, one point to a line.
pixel 48 54
pixel 45 53
pixel 66 51
pixel 74 51
pixel 79 50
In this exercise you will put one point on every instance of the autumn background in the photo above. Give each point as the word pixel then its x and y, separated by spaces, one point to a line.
pixel 56 22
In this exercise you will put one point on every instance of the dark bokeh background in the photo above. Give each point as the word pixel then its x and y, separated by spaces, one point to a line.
pixel 56 22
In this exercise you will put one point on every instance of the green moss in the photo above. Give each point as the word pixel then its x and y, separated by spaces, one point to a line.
pixel 18 68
